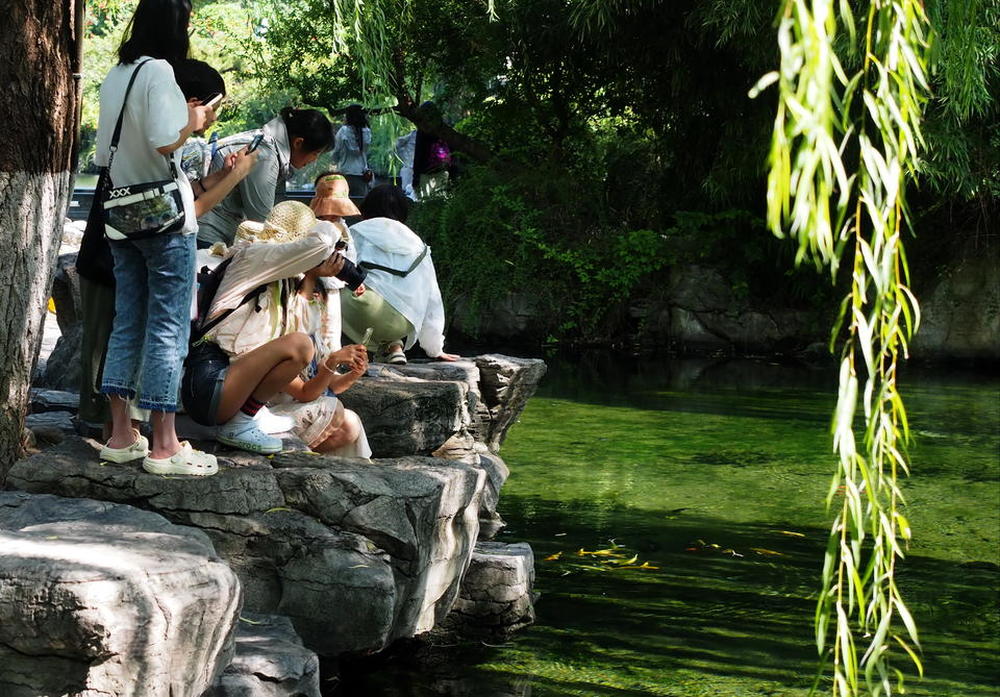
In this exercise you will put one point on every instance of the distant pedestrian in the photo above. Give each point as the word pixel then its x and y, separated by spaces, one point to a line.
pixel 350 150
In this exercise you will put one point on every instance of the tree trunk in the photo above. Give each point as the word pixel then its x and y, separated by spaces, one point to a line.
pixel 38 110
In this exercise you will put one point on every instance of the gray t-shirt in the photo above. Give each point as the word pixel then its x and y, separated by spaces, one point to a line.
pixel 254 197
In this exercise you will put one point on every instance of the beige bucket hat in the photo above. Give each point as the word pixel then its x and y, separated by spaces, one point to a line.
pixel 333 197
pixel 287 222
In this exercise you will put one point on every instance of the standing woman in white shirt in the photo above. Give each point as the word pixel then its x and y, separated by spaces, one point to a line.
pixel 154 276
pixel 350 150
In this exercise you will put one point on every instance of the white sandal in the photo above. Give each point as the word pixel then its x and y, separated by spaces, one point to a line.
pixel 139 448
pixel 187 460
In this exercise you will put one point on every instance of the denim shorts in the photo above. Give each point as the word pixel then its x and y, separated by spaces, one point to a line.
pixel 201 387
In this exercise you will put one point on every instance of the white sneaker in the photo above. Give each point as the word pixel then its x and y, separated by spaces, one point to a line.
pixel 187 460
pixel 242 432
pixel 271 423
pixel 139 448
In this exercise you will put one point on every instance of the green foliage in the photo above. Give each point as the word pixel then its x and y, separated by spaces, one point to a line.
pixel 845 145
pixel 223 34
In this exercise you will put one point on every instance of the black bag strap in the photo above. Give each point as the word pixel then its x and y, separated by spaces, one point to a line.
pixel 116 136
pixel 371 266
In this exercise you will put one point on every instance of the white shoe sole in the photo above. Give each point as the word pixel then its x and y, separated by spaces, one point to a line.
pixel 167 467
pixel 248 446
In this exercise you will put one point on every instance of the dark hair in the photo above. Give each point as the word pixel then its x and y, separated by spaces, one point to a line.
pixel 310 125
pixel 355 117
pixel 386 201
pixel 158 29
pixel 198 80
pixel 325 174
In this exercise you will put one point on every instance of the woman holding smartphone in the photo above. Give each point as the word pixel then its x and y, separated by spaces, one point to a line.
pixel 288 142
pixel 154 276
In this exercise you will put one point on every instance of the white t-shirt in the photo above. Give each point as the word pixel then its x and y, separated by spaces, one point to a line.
pixel 348 155
pixel 155 115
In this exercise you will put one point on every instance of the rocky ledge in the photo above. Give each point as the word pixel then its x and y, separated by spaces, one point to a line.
pixel 356 553
pixel 103 599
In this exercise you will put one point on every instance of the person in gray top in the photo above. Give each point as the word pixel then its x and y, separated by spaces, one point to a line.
pixel 292 140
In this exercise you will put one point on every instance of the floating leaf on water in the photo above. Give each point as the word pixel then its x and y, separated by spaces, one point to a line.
pixel 560 534
pixel 645 565
pixel 732 552
pixel 767 552
pixel 692 549
pixel 791 533
pixel 599 553
pixel 553 557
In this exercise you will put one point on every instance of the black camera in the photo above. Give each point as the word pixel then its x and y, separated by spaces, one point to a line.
pixel 352 274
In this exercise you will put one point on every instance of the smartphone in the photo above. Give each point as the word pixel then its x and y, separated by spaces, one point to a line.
pixel 255 142
pixel 214 100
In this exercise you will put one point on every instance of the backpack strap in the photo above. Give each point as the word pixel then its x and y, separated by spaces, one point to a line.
pixel 371 266
pixel 198 331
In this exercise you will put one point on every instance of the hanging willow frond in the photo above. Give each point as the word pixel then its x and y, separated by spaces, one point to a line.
pixel 843 148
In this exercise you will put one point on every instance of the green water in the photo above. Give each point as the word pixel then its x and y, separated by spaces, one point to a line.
pixel 714 474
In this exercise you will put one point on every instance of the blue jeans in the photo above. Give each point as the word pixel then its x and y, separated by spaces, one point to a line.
pixel 149 340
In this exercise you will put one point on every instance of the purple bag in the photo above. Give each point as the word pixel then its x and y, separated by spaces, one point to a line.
pixel 438 156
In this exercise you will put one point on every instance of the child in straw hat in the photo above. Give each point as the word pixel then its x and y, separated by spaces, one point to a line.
pixel 260 349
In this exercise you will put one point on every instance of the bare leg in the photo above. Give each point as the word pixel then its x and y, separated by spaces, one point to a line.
pixel 165 442
pixel 121 425
pixel 263 372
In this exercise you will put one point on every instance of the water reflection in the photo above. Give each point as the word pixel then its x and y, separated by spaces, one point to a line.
pixel 712 474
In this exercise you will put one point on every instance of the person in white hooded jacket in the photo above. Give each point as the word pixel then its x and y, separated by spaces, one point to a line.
pixel 402 304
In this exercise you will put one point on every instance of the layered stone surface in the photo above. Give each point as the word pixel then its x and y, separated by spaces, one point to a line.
pixel 100 599
pixel 356 554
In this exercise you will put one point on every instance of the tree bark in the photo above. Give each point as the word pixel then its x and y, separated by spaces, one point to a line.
pixel 38 111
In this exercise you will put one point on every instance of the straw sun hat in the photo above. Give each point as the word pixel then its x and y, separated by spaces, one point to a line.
pixel 333 197
pixel 287 222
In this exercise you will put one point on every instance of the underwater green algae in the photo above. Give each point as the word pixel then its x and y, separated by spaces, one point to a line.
pixel 711 478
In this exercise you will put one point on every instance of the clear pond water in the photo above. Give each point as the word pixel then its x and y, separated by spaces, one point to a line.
pixel 712 475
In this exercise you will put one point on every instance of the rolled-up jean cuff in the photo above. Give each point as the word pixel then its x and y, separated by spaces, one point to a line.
pixel 118 391
pixel 169 407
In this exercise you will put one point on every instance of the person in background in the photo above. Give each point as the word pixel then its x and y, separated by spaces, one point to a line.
pixel 402 302
pixel 198 82
pixel 431 161
pixel 350 150
pixel 154 276
pixel 405 146
pixel 291 141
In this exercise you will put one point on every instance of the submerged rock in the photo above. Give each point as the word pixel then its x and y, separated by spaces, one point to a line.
pixel 104 599
pixel 496 598
pixel 270 661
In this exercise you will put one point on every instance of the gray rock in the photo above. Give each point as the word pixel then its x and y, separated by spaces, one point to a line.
pixel 961 312
pixel 496 595
pixel 50 427
pixel 507 383
pixel 104 600
pixel 408 417
pixel 270 661
pixel 62 369
pixel 356 554
pixel 66 291
pixel 43 400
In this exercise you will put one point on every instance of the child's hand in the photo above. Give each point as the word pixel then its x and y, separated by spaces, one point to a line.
pixel 360 291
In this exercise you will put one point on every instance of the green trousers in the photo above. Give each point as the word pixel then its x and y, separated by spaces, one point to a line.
pixel 372 311
pixel 97 309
